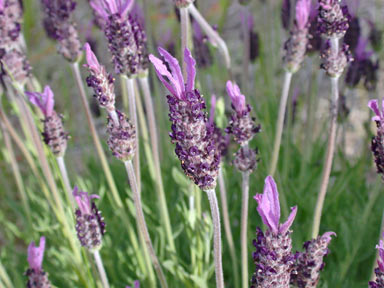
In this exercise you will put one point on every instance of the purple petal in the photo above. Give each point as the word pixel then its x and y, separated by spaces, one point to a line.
pixel 303 8
pixel 175 69
pixel 380 261
pixel 161 70
pixel 49 100
pixel 374 106
pixel 327 236
pixel 125 6
pixel 284 228
pixel 92 62
pixel 191 70
pixel 35 99
pixel 111 5
pixel 2 4
pixel 98 6
pixel 237 99
pixel 83 200
pixel 36 254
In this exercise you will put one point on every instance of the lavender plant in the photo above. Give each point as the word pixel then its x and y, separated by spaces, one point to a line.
pixel 37 278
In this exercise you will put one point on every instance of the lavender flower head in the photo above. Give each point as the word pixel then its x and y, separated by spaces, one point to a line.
pixel 37 278
pixel 309 263
pixel 90 226
pixel 334 64
pixel 296 46
pixel 273 258
pixel 60 27
pixel 191 132
pixel 377 142
pixel 100 81
pixel 127 40
pixel 11 17
pixel 242 126
pixel 14 65
pixel 136 284
pixel 379 271
pixel 54 134
pixel 333 20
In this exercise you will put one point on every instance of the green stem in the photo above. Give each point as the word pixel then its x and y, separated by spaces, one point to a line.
pixel 244 229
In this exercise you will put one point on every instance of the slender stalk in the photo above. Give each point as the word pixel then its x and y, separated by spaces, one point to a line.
pixel 244 229
pixel 216 238
pixel 130 84
pixel 280 122
pixel 16 171
pixel 330 148
pixel 100 268
pixel 142 224
pixel 227 226
pixel 213 36
pixel 185 28
pixel 156 157
pixel 67 185
pixel 99 149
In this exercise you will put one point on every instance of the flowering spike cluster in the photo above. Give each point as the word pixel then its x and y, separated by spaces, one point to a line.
pixel 37 277
pixel 334 64
pixel 377 143
pixel 60 27
pixel 379 271
pixel 15 64
pixel 242 126
pixel 100 81
pixel 121 137
pixel 333 19
pixel 127 40
pixel 54 134
pixel 11 17
pixel 273 258
pixel 296 46
pixel 90 226
pixel 191 132
pixel 201 50
pixel 309 264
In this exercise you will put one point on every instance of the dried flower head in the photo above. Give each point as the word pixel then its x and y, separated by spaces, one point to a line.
pixel 100 81
pixel 121 137
pixel 379 271
pixel 242 126
pixel 90 226
pixel 37 278
pixel 54 134
pixel 11 17
pixel 14 65
pixel 191 132
pixel 310 263
pixel 60 27
pixel 334 64
pixel 333 19
pixel 273 258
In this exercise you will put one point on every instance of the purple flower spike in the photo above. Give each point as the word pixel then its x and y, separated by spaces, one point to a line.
pixel 269 208
pixel 37 277
pixel 194 137
pixel 36 254
pixel 374 106
pixel 136 284
pixel 303 8
pixel 237 99
pixel 90 225
pixel 379 271
pixel 45 101
pixel 83 200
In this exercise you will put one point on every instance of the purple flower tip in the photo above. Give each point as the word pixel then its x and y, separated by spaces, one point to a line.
pixel 269 208
pixel 374 105
pixel 327 236
pixel 303 8
pixel 45 101
pixel 380 261
pixel 36 254
pixel 83 200
pixel 92 62
pixel 175 83
pixel 104 8
pixel 237 99
pixel 136 284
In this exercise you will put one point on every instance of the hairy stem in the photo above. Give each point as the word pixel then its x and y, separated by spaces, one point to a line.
pixel 244 229
pixel 100 268
pixel 130 84
pixel 216 238
pixel 330 149
pixel 95 136
pixel 227 226
pixel 155 153
pixel 280 122
pixel 142 224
